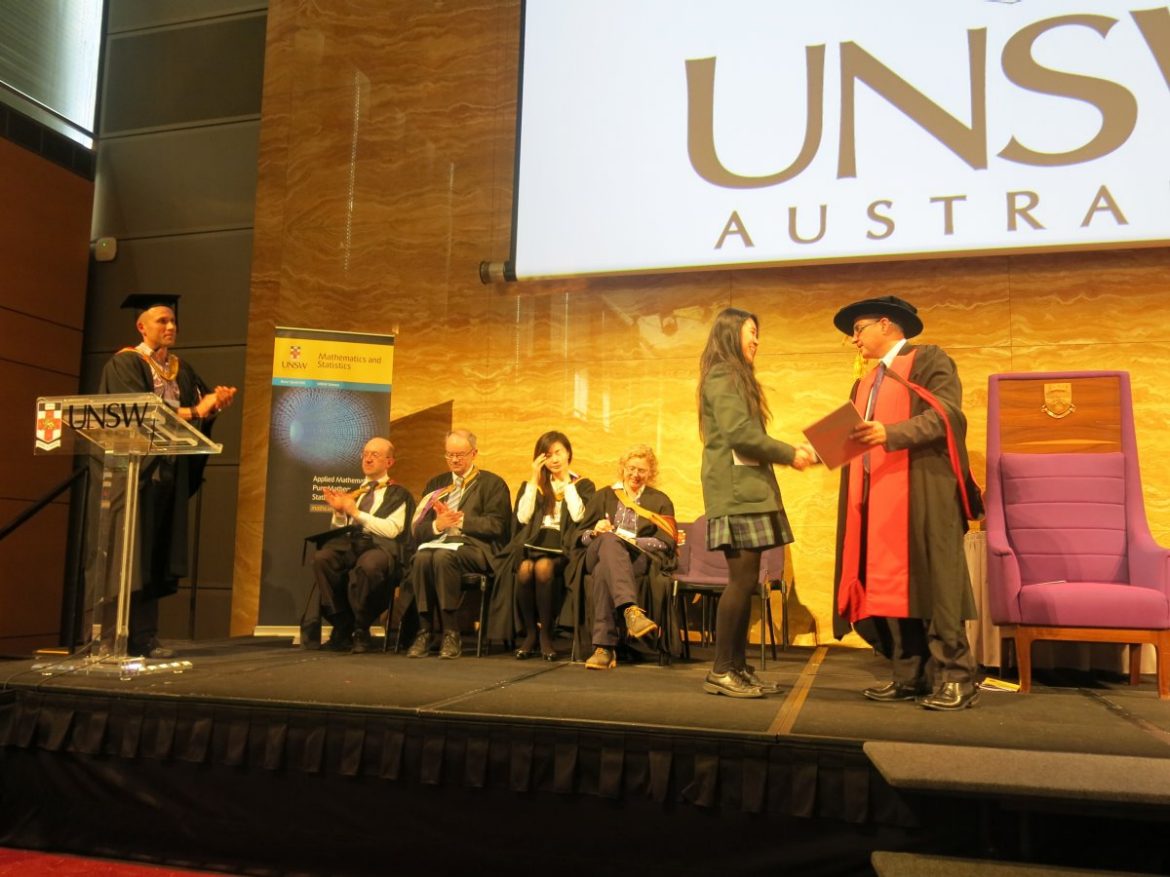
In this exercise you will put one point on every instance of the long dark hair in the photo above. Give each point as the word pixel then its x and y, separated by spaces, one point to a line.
pixel 725 346
pixel 548 500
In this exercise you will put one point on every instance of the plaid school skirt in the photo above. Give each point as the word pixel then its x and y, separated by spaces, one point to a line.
pixel 759 531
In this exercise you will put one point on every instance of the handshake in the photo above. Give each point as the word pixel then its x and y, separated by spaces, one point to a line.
pixel 805 457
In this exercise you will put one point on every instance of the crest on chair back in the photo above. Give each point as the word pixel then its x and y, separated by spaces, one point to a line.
pixel 1058 401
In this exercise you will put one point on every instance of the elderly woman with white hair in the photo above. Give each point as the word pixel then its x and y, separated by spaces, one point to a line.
pixel 630 540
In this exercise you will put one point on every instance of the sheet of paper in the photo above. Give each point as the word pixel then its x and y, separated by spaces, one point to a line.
pixel 442 546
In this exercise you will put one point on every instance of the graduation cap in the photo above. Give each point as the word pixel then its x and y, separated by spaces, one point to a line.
pixel 141 302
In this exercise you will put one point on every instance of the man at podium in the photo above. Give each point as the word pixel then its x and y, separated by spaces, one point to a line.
pixel 166 483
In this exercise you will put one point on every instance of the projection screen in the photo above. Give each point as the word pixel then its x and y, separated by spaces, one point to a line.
pixel 670 135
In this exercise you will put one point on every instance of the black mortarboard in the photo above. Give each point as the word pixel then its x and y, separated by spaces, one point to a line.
pixel 141 302
pixel 898 310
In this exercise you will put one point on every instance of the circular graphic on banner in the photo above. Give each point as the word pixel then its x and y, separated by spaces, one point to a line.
pixel 323 427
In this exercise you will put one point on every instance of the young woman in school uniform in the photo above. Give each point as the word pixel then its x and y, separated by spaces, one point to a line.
pixel 745 514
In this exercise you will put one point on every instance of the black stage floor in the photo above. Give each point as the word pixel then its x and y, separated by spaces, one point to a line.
pixel 1099 714
pixel 825 777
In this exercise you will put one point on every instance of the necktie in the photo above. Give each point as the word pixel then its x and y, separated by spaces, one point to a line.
pixel 456 495
pixel 366 503
pixel 869 409
pixel 873 391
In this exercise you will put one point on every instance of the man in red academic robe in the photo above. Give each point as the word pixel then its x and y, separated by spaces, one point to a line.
pixel 901 576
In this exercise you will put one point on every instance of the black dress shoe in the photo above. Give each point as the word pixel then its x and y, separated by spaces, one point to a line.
pixel 950 696
pixel 361 642
pixel 311 635
pixel 748 675
pixel 525 654
pixel 731 684
pixel 152 649
pixel 549 656
pixel 339 641
pixel 894 691
pixel 421 647
pixel 452 645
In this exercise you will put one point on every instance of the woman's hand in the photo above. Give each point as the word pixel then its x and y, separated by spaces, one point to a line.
pixel 537 467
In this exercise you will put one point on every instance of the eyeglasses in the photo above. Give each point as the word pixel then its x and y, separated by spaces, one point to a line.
pixel 375 454
pixel 635 470
pixel 857 330
pixel 456 456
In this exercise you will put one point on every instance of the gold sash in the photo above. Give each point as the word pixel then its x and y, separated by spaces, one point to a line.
pixel 660 521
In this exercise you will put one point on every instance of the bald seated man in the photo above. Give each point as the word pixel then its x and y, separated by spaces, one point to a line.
pixel 355 573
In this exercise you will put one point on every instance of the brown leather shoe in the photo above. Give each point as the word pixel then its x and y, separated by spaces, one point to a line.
pixel 895 691
pixel 637 624
pixel 951 697
pixel 731 684
pixel 601 659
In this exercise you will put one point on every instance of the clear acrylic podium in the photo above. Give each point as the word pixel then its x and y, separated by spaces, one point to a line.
pixel 120 433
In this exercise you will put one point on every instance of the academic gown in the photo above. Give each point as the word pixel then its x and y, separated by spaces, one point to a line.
pixel 504 622
pixel 939 585
pixel 162 513
pixel 654 588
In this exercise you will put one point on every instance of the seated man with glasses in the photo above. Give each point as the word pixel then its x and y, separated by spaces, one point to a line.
pixel 462 522
pixel 355 573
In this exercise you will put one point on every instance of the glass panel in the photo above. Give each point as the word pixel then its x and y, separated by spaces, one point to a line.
pixel 49 53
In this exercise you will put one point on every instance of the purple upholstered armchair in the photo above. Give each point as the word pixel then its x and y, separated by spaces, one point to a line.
pixel 1070 555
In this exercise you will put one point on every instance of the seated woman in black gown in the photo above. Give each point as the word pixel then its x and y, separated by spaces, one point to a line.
pixel 549 506
pixel 630 546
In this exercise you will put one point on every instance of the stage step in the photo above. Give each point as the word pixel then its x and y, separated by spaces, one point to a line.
pixel 1000 773
pixel 920 865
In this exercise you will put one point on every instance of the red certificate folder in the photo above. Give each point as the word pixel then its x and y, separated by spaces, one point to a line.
pixel 829 436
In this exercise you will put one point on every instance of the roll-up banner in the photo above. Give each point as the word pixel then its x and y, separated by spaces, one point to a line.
pixel 330 395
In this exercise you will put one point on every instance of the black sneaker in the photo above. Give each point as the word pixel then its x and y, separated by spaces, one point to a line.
pixel 452 645
pixel 421 647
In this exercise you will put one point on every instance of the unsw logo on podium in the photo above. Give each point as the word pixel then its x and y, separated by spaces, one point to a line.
pixel 49 425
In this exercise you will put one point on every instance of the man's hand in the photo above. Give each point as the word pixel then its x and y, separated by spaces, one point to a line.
pixel 871 432
pixel 447 519
pixel 802 460
pixel 335 499
pixel 224 396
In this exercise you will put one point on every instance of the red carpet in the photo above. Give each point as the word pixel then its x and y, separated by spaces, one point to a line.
pixel 26 863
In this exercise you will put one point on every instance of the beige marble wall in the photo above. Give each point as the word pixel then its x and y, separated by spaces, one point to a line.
pixel 387 151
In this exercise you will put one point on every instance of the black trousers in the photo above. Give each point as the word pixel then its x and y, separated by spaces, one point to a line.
pixel 920 652
pixel 933 650
pixel 353 578
pixel 613 569
pixel 436 577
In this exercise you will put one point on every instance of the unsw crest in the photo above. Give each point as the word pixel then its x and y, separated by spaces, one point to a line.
pixel 49 425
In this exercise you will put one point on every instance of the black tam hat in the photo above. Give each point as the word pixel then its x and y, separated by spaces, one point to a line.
pixel 141 302
pixel 897 310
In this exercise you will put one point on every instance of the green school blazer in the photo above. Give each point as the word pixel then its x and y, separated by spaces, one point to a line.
pixel 737 453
